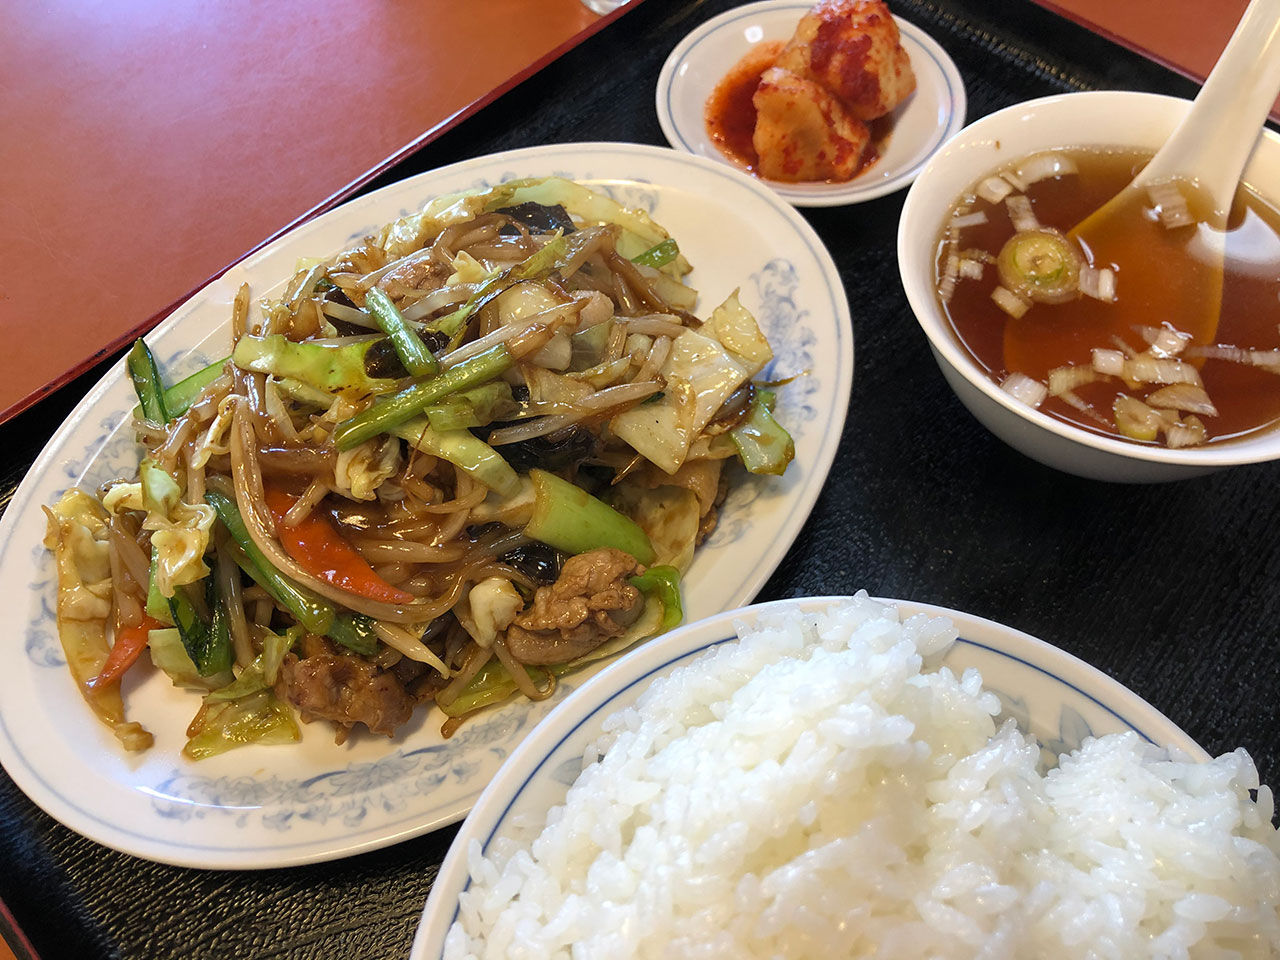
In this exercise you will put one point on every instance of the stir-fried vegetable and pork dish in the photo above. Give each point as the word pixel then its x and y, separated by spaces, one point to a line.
pixel 449 464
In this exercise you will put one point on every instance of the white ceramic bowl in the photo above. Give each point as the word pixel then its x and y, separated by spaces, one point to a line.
pixel 1104 118
pixel 1053 695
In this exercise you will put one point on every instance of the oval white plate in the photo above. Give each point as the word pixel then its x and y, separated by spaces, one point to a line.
pixel 274 806
pixel 1049 693
pixel 928 118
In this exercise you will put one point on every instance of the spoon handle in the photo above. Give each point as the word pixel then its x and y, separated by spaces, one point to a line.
pixel 1213 144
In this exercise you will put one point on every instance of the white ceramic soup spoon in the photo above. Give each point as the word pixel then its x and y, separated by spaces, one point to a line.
pixel 1192 180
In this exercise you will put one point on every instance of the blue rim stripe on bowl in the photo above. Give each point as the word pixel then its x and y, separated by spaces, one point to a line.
pixel 548 754
pixel 711 643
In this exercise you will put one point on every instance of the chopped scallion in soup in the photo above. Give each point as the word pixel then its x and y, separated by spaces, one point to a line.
pixel 1112 335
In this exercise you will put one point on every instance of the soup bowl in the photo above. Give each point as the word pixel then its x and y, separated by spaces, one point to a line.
pixel 1093 119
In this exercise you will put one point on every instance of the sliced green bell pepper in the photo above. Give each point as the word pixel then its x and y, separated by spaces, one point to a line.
pixel 662 582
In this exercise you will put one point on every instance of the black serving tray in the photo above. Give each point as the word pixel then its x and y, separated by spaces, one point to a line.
pixel 1169 589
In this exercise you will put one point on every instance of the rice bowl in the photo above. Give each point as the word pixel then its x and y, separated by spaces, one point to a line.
pixel 825 789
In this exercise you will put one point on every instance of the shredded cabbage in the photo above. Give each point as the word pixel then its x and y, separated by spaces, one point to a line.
pixel 180 531
pixel 224 725
pixel 639 232
pixel 169 654
pixel 216 441
pixel 261 674
pixel 77 535
pixel 408 234
pixel 514 511
pixel 490 606
pixel 703 368
pixel 669 515
pixel 359 472
pixel 733 325
pixel 466 269
pixel 465 451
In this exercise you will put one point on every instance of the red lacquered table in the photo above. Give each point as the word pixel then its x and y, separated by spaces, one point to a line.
pixel 147 145
pixel 1183 35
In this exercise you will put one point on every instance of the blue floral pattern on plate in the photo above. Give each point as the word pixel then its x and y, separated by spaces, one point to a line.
pixel 347 795
pixel 1072 729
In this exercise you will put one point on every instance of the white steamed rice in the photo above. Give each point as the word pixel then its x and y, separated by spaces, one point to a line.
pixel 812 790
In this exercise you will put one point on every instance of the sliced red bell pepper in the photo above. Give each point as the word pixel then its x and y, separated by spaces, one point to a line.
pixel 324 553
pixel 129 644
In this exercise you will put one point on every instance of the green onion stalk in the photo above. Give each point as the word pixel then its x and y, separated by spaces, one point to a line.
pixel 315 613
pixel 146 382
pixel 413 353
pixel 178 398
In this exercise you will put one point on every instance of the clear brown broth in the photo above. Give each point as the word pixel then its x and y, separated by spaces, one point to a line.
pixel 1247 398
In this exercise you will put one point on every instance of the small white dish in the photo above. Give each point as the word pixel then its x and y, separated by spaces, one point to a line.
pixel 929 117
pixel 1049 693
pixel 1097 118
pixel 275 806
